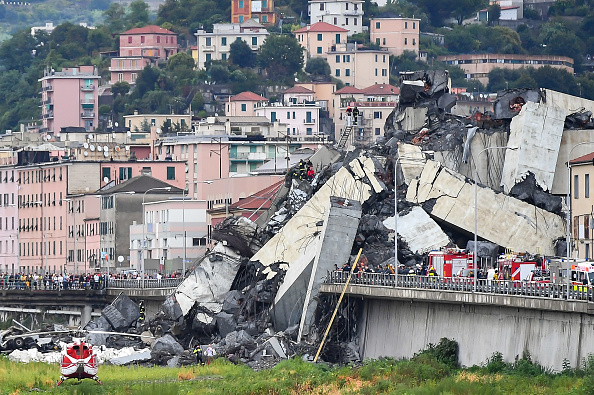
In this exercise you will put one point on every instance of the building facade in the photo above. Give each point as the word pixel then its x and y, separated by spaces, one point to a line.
pixel 395 34
pixel 244 104
pixel 217 45
pixel 347 14
pixel 9 220
pixel 319 38
pixel 260 10
pixel 359 67
pixel 478 66
pixel 69 98
pixel 582 206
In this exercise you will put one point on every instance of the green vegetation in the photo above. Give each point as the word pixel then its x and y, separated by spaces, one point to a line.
pixel 433 371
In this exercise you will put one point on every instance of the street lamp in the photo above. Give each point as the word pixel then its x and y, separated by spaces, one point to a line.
pixel 476 210
pixel 568 212
pixel 144 226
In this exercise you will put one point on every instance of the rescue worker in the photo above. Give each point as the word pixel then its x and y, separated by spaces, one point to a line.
pixel 310 174
pixel 142 312
pixel 302 170
pixel 349 116
pixel 432 271
pixel 210 353
pixel 198 352
pixel 355 115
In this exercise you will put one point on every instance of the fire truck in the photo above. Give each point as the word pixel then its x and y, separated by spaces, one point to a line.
pixel 449 261
pixel 521 267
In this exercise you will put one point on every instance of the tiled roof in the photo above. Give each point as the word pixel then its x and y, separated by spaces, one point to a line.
pixel 247 96
pixel 348 90
pixel 583 159
pixel 381 89
pixel 321 27
pixel 298 89
pixel 151 29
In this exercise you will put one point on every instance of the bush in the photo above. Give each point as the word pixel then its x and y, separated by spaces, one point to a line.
pixel 446 352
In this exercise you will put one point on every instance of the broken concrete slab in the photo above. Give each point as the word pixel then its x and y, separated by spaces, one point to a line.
pixel 355 181
pixel 210 281
pixel 339 230
pixel 419 231
pixel 411 160
pixel 536 132
pixel 167 344
pixel 503 220
pixel 225 323
pixel 139 356
pixel 484 249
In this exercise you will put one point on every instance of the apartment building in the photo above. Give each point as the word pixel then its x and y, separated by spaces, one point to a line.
pixel 260 10
pixel 322 93
pixel 318 39
pixel 357 66
pixel 347 14
pixel 396 35
pixel 478 66
pixel 244 104
pixel 375 103
pixel 9 220
pixel 69 98
pixel 140 47
pixel 582 201
pixel 217 45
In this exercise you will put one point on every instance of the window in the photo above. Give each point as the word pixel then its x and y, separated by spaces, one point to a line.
pixel 346 21
pixel 377 41
pixel 243 107
pixel 105 174
pixel 587 186
pixel 273 116
pixel 319 50
pixel 337 58
pixel 125 173
pixel 355 21
pixel 288 115
pixel 208 41
pixel 158 39
pixel 309 131
pixel 129 39
pixel 338 39
pixel 335 21
pixel 171 173
pixel 293 114
pixel 384 72
pixel 208 57
pixel 406 25
pixel 405 40
pixel 264 18
pixel 319 36
pixel 254 40
pixel 241 19
pixel 142 39
pixel 347 72
pixel 414 41
pixel 224 58
pixel 377 25
pixel 377 115
pixel 384 41
pixel 198 241
pixel 337 73
pixel 224 41
pixel 376 57
pixel 576 187
pixel 264 4
pixel 377 131
pixel 414 25
pixel 321 6
pixel 308 117
pixel 376 72
pixel 133 77
pixel 240 3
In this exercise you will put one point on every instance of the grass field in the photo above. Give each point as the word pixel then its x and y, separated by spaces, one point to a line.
pixel 426 373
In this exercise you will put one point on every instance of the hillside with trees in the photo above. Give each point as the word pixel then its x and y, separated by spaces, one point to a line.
pixel 566 31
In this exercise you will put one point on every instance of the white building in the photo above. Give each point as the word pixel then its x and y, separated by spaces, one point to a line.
pixel 347 14
pixel 217 45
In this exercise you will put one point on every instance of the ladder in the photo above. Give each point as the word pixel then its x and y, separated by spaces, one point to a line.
pixel 344 136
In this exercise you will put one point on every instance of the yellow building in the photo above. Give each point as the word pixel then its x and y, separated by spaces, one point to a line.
pixel 582 206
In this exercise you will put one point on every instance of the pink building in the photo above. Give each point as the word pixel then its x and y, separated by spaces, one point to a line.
pixel 127 68
pixel 83 243
pixel 140 47
pixel 395 34
pixel 319 38
pixel 9 245
pixel 244 104
pixel 69 98
pixel 169 171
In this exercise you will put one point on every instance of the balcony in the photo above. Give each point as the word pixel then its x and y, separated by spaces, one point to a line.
pixel 49 114
pixel 309 121
pixel 208 48
pixel 48 101
pixel 249 156
pixel 87 88
pixel 48 88
pixel 87 114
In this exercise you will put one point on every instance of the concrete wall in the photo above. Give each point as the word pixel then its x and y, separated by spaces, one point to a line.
pixel 401 328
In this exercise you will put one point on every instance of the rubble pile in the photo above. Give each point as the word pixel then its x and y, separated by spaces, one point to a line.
pixel 254 297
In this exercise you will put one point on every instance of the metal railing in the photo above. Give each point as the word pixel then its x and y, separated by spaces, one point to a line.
pixel 148 283
pixel 465 284
pixel 54 285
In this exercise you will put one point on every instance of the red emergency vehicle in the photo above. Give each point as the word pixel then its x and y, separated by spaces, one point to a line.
pixel 449 261
pixel 519 267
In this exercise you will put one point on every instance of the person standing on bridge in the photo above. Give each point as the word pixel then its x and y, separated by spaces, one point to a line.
pixel 490 275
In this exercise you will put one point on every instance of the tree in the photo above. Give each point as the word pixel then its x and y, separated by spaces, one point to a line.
pixel 115 18
pixel 120 88
pixel 138 14
pixel 281 56
pixel 219 73
pixel 439 10
pixel 241 54
pixel 494 12
pixel 318 67
pixel 17 52
pixel 146 81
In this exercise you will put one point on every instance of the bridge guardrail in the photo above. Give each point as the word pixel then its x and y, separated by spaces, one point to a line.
pixel 465 284
pixel 148 283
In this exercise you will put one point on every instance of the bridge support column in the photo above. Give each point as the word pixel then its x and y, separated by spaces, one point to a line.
pixel 85 316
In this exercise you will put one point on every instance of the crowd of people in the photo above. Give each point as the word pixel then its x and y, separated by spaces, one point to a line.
pixel 59 281
pixel 363 266
pixel 303 171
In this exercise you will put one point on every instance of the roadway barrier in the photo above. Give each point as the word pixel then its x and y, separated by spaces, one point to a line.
pixel 113 283
pixel 465 284
pixel 147 283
